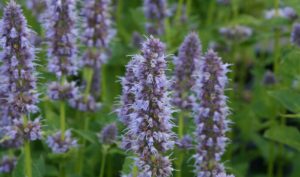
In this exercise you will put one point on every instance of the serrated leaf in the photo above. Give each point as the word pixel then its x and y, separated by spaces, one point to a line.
pixel 288 98
pixel 127 165
pixel 89 136
pixel 289 136
pixel 19 170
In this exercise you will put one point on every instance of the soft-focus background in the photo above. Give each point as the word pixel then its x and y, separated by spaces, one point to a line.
pixel 264 95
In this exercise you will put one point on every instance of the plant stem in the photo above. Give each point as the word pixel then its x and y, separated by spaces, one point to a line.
pixel 179 164
pixel 179 11
pixel 180 124
pixel 28 162
pixel 89 72
pixel 271 159
pixel 103 84
pixel 211 10
pixel 103 158
pixel 188 7
pixel 62 119
pixel 62 171
pixel 135 171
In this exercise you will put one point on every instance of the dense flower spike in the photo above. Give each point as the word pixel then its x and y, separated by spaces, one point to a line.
pixel 185 66
pixel 61 145
pixel 224 2
pixel 156 13
pixel 18 81
pixel 7 164
pixel 98 32
pixel 238 32
pixel 151 115
pixel 224 175
pixel 211 115
pixel 61 34
pixel 295 36
pixel 108 134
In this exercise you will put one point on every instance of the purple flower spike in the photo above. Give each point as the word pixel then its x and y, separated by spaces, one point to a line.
pixel 150 119
pixel 37 7
pixel 59 145
pixel 18 76
pixel 185 143
pixel 156 13
pixel 295 36
pixel 85 104
pixel 56 91
pixel 61 34
pixel 185 66
pixel 108 134
pixel 7 164
pixel 211 115
pixel 98 32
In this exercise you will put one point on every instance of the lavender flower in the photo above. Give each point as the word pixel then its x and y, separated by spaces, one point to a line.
pixel 18 82
pixel 98 32
pixel 84 103
pixel 295 36
pixel 7 164
pixel 60 145
pixel 210 115
pixel 185 65
pixel 137 39
pixel 224 2
pixel 156 13
pixel 285 12
pixel 37 7
pixel 61 34
pixel 185 143
pixel 108 134
pixel 151 112
pixel 269 78
pixel 56 91
pixel 238 32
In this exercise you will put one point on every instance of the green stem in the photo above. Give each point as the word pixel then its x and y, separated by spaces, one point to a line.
pixel 271 159
pixel 103 84
pixel 179 164
pixel 62 119
pixel 188 7
pixel 103 159
pixel 89 72
pixel 135 171
pixel 28 163
pixel 211 10
pixel 179 11
pixel 62 171
pixel 235 9
pixel 180 124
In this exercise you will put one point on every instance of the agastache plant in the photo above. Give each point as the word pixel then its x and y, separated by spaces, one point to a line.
pixel 185 66
pixel 156 13
pixel 211 115
pixel 60 18
pixel 295 35
pixel 151 117
pixel 19 80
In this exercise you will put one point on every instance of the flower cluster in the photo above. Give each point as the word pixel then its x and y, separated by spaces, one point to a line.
pixel 67 91
pixel 7 164
pixel 224 2
pixel 238 32
pixel 150 124
pixel 224 175
pixel 156 13
pixel 185 143
pixel 285 12
pixel 37 7
pixel 84 103
pixel 61 144
pixel 18 81
pixel 185 66
pixel 61 34
pixel 295 36
pixel 211 115
pixel 98 32
pixel 108 134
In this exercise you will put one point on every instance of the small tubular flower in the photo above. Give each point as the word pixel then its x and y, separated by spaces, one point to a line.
pixel 108 134
pixel 150 123
pixel 211 115
pixel 7 164
pixel 61 33
pixel 156 13
pixel 185 66
pixel 295 36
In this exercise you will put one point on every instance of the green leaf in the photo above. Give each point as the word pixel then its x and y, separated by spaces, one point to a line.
pixel 89 136
pixel 289 136
pixel 127 165
pixel 19 171
pixel 288 98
